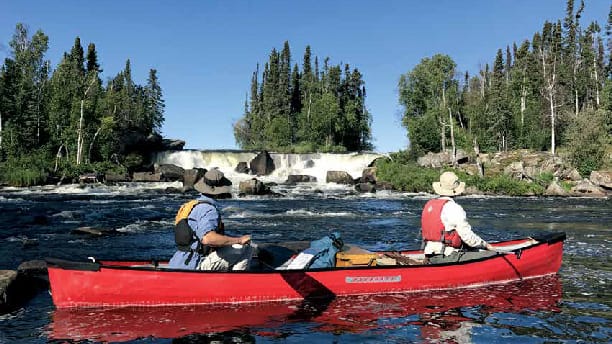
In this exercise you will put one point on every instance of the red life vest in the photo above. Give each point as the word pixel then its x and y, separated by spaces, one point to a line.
pixel 432 227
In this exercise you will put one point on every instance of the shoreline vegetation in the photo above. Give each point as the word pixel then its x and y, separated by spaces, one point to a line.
pixel 536 121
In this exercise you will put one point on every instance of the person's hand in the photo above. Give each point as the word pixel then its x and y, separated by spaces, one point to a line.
pixel 489 247
pixel 245 239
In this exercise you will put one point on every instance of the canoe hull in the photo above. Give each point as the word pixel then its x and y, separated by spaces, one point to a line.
pixel 121 284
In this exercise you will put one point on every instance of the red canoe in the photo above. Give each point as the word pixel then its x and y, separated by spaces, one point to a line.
pixel 436 310
pixel 130 283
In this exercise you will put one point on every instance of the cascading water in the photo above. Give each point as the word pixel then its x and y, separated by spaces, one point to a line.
pixel 312 164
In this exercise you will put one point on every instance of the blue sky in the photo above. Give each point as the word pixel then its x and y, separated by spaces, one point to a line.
pixel 206 51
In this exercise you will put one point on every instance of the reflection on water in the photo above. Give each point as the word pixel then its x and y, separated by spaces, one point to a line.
pixel 437 315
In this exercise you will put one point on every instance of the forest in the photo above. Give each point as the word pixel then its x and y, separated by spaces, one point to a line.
pixel 320 108
pixel 64 121
pixel 548 93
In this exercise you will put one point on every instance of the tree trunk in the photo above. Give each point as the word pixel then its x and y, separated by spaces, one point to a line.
pixel 79 151
pixel 93 140
pixel 0 129
pixel 552 121
pixel 596 81
pixel 452 135
pixel 479 165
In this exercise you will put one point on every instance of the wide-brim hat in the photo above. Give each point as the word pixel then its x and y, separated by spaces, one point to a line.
pixel 213 183
pixel 449 185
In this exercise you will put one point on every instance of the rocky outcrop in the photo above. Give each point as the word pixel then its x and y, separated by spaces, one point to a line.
pixel 169 172
pixel 602 179
pixel 253 187
pixel 586 187
pixel 16 287
pixel 262 164
pixel 554 189
pixel 191 176
pixel 300 178
pixel 242 167
pixel 339 177
pixel 365 187
pixel 369 175
pixel 146 177
pixel 172 144
pixel 111 177
pixel 7 288
pixel 437 160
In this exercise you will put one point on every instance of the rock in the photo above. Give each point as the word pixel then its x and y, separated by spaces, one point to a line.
pixel 554 189
pixel 516 170
pixel 110 177
pixel 146 177
pixel 253 187
pixel 170 172
pixel 172 144
pixel 191 176
pixel 300 178
pixel 369 175
pixel 89 178
pixel 92 231
pixel 262 164
pixel 602 179
pixel 365 187
pixel 437 160
pixel 33 274
pixel 309 163
pixel 586 187
pixel 340 177
pixel 381 185
pixel 242 167
pixel 7 286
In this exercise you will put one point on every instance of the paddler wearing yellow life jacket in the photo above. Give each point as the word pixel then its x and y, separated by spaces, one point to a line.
pixel 447 235
pixel 199 231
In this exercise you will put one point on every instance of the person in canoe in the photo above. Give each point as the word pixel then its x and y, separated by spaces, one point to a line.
pixel 447 235
pixel 199 232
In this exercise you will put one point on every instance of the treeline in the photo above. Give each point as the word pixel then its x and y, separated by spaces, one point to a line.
pixel 555 90
pixel 66 117
pixel 312 109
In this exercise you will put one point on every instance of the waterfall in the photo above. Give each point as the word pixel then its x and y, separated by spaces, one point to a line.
pixel 312 164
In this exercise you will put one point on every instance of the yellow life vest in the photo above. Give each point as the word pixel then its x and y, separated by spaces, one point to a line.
pixel 184 236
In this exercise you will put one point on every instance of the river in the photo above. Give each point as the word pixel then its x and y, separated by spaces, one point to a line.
pixel 574 306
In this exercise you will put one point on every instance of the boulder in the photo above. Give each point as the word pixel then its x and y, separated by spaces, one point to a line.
pixel 170 172
pixel 172 144
pixel 381 185
pixel 7 289
pixel 369 175
pixel 242 167
pixel 602 179
pixel 516 170
pixel 300 178
pixel 89 178
pixel 110 177
pixel 588 188
pixel 262 164
pixel 32 274
pixel 365 187
pixel 191 176
pixel 554 189
pixel 340 177
pixel 309 163
pixel 253 187
pixel 146 177
pixel 437 160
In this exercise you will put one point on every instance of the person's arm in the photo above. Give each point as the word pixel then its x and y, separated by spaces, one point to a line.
pixel 215 239
pixel 207 219
pixel 453 216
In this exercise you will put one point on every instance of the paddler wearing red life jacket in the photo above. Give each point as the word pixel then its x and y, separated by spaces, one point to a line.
pixel 447 235
pixel 199 232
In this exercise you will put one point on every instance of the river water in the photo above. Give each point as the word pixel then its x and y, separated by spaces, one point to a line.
pixel 572 307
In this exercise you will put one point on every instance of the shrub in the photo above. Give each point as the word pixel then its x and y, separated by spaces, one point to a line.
pixel 406 177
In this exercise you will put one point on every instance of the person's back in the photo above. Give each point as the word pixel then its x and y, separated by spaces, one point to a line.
pixel 200 233
pixel 446 233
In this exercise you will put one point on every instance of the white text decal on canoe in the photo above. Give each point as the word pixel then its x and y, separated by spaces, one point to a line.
pixel 374 279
